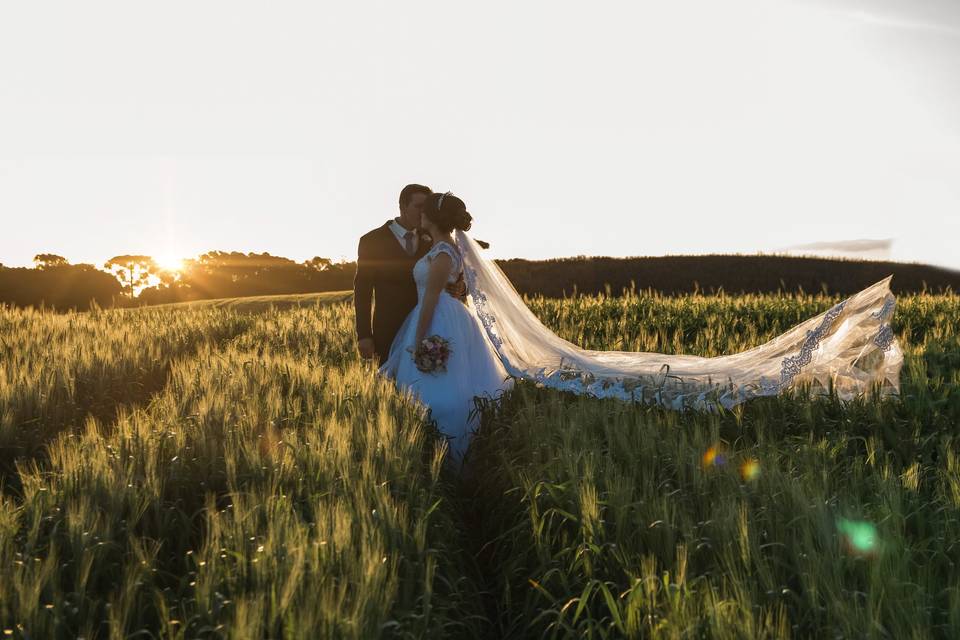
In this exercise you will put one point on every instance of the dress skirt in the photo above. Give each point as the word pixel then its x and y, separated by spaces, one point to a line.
pixel 473 369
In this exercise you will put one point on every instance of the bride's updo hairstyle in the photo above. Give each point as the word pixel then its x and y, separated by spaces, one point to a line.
pixel 447 211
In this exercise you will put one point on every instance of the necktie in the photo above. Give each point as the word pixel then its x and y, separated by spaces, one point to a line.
pixel 408 239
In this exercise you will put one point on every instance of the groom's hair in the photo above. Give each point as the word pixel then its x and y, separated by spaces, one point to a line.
pixel 407 193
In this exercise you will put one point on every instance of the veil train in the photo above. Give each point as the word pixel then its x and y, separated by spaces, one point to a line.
pixel 850 346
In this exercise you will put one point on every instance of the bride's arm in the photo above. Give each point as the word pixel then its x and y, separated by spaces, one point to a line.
pixel 437 278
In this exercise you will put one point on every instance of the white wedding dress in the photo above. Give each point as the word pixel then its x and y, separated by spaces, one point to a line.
pixel 850 348
pixel 473 369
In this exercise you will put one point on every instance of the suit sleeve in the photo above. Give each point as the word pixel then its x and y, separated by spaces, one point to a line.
pixel 363 290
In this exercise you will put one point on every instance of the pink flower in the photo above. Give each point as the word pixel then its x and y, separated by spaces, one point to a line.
pixel 432 354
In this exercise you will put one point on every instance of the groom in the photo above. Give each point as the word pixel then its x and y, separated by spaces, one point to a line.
pixel 385 259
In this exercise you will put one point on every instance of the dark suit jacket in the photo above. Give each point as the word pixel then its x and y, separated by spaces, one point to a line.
pixel 384 274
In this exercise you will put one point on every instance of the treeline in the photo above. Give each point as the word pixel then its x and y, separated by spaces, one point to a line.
pixel 219 274
pixel 216 274
pixel 63 286
pixel 134 280
pixel 715 273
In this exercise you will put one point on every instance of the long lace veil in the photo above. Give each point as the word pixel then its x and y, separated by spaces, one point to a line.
pixel 850 348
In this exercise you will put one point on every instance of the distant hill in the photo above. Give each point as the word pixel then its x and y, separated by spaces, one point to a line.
pixel 712 273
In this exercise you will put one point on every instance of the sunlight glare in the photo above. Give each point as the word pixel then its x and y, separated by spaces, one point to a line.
pixel 170 262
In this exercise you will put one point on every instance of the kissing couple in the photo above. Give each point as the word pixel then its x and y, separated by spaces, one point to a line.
pixel 448 326
pixel 413 267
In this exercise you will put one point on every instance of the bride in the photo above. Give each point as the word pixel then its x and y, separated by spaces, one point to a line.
pixel 495 339
pixel 473 367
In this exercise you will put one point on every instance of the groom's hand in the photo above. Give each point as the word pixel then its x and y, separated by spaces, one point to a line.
pixel 458 289
pixel 366 348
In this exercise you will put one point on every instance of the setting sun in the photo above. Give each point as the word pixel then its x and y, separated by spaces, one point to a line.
pixel 169 263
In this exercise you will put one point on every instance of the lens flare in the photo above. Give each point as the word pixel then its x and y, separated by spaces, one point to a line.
pixel 713 457
pixel 858 538
pixel 750 470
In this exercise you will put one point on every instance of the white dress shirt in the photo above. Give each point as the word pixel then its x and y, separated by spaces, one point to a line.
pixel 400 231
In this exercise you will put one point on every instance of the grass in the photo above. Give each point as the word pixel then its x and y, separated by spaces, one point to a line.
pixel 260 304
pixel 188 471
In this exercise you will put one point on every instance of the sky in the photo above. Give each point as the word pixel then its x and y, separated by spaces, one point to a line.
pixel 609 128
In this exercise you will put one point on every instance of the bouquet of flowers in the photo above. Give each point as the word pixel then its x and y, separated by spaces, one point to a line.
pixel 431 354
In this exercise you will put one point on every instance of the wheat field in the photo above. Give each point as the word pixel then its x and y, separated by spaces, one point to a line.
pixel 195 471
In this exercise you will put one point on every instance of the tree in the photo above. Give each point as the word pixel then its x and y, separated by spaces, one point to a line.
pixel 133 272
pixel 318 263
pixel 47 260
pixel 68 286
pixel 167 277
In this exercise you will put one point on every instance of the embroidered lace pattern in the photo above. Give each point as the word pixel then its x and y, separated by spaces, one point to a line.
pixel 480 304
pixel 793 365
pixel 443 247
pixel 886 310
pixel 884 338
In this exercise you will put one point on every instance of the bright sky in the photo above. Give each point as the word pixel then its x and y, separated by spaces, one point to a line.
pixel 628 128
